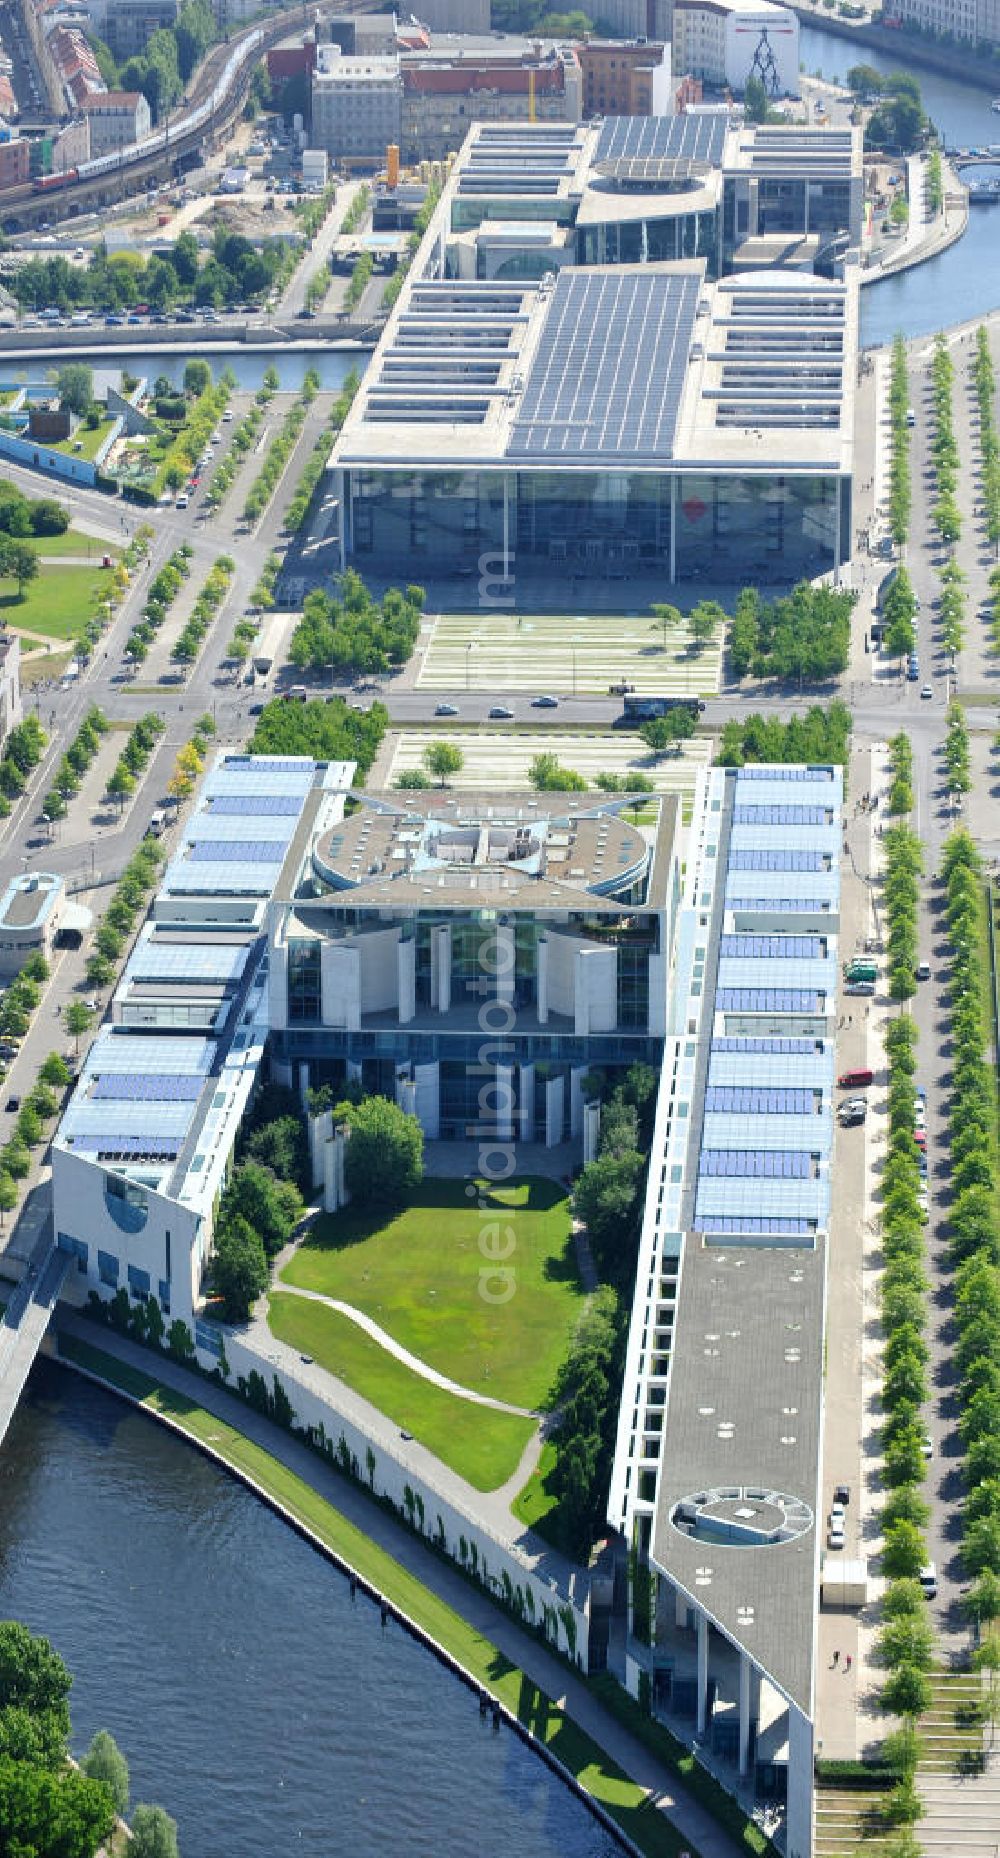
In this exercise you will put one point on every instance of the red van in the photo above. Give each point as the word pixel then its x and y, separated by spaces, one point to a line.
pixel 856 1080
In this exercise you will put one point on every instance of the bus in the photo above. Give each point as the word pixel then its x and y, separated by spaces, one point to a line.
pixel 645 709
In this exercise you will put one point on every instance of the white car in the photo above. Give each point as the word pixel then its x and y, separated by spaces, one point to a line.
pixel 182 501
pixel 928 1580
pixel 228 415
pixel 835 1533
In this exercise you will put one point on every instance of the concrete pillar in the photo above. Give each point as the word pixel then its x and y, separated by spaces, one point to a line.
pixel 799 1812
pixel 591 1130
pixel 744 1713
pixel 542 982
pixel 504 1098
pixel 335 1194
pixel 526 1102
pixel 681 1611
pixel 576 1077
pixel 701 1626
pixel 505 960
pixel 281 1072
pixel 303 1084
pixel 320 1132
pixel 442 967
pixel 406 978
pixel 406 1093
pixel 427 1095
pixel 555 1092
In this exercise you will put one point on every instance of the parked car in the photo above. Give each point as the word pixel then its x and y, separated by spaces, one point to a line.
pixel 923 970
pixel 835 1536
pixel 928 1580
pixel 855 1080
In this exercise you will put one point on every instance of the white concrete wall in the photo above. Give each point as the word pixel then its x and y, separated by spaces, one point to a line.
pixel 277 987
pixel 390 1477
pixel 340 985
pixel 80 1210
pixel 561 974
pixel 427 1099
pixel 595 1001
pixel 379 972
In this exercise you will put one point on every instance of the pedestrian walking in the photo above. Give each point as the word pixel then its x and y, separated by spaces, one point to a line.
pixel 848 1662
pixel 836 1659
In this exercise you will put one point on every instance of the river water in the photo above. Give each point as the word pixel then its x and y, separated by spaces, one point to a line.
pixel 964 281
pixel 270 1714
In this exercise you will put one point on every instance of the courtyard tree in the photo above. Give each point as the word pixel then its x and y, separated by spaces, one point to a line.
pixel 239 1270
pixel 75 387
pixel 442 759
pixel 665 734
pixel 385 1153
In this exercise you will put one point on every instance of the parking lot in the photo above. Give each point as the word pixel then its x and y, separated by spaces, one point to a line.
pixel 566 653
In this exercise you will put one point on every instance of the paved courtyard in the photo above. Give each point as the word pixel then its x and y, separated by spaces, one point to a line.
pixel 565 653
pixel 589 755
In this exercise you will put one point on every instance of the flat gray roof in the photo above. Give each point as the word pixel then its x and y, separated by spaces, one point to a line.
pixel 743 1415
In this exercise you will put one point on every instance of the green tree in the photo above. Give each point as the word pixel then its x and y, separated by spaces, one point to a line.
pixel 154 1834
pixel 29 1125
pixel 385 1154
pixel 105 1762
pixel 271 1207
pixel 665 734
pixel 903 1554
pixel 442 759
pixel 755 104
pixel 197 377
pixel 79 1019
pixel 8 1194
pixel 239 1270
pixel 906 1692
pixel 75 387
pixel 44 1815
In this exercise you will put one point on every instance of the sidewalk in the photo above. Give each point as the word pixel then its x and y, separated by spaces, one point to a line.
pixel 550 1674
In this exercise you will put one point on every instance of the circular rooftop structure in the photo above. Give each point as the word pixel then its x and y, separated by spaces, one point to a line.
pixel 474 843
pixel 742 1517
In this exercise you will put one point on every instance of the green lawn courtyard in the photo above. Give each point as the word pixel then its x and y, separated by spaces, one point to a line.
pixel 57 604
pixel 423 1276
pixel 564 652
pixel 478 1443
pixel 75 544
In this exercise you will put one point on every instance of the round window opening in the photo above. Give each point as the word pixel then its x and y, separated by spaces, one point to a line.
pixel 744 1516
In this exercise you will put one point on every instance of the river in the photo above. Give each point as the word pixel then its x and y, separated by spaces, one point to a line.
pixel 963 281
pixel 270 1714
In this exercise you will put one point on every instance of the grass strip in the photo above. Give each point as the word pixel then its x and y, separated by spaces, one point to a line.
pixel 623 1799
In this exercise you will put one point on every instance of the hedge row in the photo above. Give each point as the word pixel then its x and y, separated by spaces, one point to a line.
pixel 163 591
pixel 319 457
pixel 280 450
pixel 989 444
pixel 943 447
pixel 956 751
pixel 242 439
pixel 214 591
pixel 975 1234
pixel 900 491
pixel 116 925
pixel 74 763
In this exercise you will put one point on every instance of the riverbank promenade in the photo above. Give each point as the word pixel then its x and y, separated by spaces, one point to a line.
pixel 550 1674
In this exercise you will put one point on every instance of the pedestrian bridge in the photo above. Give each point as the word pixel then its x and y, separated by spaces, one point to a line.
pixel 23 1325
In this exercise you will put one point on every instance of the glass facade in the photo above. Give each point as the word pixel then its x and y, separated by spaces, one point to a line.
pixel 652 241
pixel 304 990
pixel 602 522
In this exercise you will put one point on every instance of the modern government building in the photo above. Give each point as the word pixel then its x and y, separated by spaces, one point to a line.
pixel 621 348
pixel 433 946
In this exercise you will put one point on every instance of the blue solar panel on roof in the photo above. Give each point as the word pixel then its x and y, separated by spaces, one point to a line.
pixel 264 764
pixel 784 1228
pixel 129 1147
pixel 782 815
pixel 609 369
pixel 673 138
pixel 768 1000
pixel 165 1088
pixel 749 1100
pixel 777 1164
pixel 797 1048
pixel 772 947
pixel 261 805
pixel 777 859
pixel 787 772
pixel 787 905
pixel 238 851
